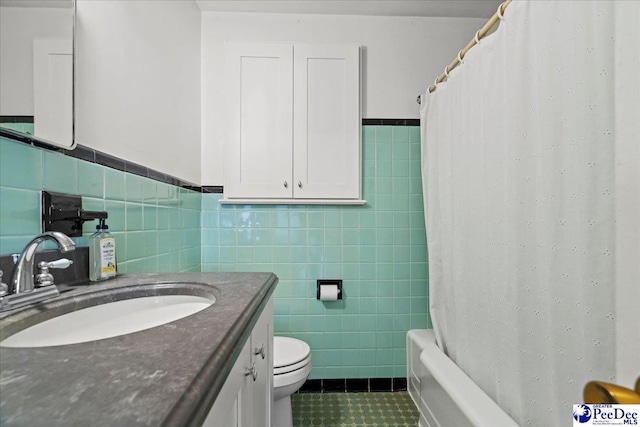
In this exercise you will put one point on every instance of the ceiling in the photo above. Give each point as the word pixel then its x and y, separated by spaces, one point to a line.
pixel 430 8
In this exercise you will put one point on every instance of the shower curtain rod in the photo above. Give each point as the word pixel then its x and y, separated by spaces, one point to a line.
pixel 480 34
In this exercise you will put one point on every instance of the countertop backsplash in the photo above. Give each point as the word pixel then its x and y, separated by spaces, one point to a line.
pixel 75 274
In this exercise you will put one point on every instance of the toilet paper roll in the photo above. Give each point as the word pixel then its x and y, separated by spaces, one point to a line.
pixel 329 292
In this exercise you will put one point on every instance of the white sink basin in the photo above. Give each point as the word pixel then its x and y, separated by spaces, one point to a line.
pixel 109 320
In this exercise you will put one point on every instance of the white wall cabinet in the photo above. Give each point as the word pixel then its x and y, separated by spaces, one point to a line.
pixel 292 124
pixel 246 399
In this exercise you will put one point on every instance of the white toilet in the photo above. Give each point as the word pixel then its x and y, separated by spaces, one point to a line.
pixel 291 367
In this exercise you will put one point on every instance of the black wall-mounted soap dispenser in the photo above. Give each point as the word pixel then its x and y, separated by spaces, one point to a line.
pixel 64 213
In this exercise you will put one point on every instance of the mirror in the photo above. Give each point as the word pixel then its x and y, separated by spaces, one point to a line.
pixel 36 71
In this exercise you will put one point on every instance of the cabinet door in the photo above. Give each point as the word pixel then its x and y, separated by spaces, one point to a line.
pixel 326 122
pixel 262 345
pixel 246 400
pixel 227 409
pixel 246 395
pixel 258 122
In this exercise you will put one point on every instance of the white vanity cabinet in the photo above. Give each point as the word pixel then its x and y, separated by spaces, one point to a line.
pixel 292 123
pixel 246 399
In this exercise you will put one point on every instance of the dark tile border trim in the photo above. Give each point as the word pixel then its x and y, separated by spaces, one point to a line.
pixel 16 119
pixel 101 158
pixel 217 189
pixel 94 156
pixel 353 385
pixel 380 384
pixel 390 122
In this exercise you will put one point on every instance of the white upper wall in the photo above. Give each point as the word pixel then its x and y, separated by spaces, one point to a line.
pixel 138 82
pixel 401 58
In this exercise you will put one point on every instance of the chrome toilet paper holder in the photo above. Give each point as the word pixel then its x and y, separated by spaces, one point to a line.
pixel 324 282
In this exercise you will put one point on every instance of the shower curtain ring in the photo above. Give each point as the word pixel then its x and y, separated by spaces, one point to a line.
pixel 446 72
pixel 500 15
pixel 477 37
pixel 460 58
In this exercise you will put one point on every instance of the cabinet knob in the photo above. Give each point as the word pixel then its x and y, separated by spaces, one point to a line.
pixel 299 184
pixel 286 184
pixel 251 371
pixel 259 351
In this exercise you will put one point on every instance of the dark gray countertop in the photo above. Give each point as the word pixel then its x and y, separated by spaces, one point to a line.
pixel 168 375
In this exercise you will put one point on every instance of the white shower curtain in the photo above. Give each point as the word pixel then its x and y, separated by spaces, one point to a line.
pixel 518 170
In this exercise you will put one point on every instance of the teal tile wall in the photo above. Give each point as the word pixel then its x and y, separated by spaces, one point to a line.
pixel 379 250
pixel 156 225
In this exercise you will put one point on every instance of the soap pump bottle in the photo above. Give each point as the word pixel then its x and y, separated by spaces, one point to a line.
pixel 102 253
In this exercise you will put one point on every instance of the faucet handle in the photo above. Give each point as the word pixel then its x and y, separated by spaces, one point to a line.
pixel 60 263
pixel 44 278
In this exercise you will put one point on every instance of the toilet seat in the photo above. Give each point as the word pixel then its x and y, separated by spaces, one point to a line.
pixel 284 369
pixel 289 354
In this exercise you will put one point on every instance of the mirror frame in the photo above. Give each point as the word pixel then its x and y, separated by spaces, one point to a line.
pixel 34 140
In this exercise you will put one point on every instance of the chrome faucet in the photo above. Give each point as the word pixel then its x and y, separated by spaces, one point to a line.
pixel 22 287
pixel 22 279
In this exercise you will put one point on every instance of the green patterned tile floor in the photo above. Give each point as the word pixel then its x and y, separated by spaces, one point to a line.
pixel 378 409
